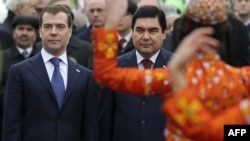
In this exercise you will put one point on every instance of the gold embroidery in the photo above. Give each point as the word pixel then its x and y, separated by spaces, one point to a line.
pixel 188 111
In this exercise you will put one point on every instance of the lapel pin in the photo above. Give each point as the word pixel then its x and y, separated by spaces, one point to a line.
pixel 78 70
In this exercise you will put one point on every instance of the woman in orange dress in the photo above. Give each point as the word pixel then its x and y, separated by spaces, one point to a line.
pixel 200 94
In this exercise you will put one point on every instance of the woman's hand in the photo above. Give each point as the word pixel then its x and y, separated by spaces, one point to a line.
pixel 116 10
pixel 200 40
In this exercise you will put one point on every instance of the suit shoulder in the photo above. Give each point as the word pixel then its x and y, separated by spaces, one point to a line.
pixel 166 52
pixel 79 41
pixel 22 64
pixel 125 56
pixel 84 69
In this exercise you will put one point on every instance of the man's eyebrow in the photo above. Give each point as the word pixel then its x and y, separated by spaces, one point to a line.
pixel 151 28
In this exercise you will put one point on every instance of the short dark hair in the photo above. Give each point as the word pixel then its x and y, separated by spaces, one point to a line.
pixel 132 7
pixel 54 9
pixel 149 11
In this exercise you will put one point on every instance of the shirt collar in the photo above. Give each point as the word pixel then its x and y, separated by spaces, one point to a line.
pixel 127 37
pixel 47 56
pixel 152 58
pixel 20 50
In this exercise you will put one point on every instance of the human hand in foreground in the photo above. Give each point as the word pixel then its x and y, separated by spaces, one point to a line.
pixel 116 10
pixel 200 40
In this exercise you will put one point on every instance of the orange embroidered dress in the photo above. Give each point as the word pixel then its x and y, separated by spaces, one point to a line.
pixel 213 97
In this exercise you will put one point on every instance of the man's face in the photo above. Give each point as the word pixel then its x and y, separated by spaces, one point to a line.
pixel 148 36
pixel 55 33
pixel 24 35
pixel 242 7
pixel 97 13
pixel 125 24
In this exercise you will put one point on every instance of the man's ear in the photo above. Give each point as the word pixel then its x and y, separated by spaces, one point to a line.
pixel 39 32
pixel 164 34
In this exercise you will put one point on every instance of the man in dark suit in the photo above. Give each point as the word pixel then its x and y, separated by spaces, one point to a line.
pixel 125 31
pixel 80 52
pixel 124 117
pixel 97 15
pixel 25 29
pixel 49 97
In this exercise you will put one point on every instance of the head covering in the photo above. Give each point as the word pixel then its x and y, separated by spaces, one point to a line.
pixel 132 7
pixel 207 12
pixel 203 13
pixel 25 19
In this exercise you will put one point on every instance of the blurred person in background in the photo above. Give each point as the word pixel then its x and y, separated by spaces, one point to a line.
pixel 125 30
pixel 97 15
pixel 15 7
pixel 242 10
pixel 25 29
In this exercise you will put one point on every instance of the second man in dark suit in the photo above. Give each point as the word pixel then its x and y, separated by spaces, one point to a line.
pixel 124 117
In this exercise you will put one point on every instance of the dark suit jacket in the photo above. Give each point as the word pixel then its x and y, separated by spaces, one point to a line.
pixel 127 49
pixel 30 108
pixel 167 43
pixel 6 39
pixel 9 56
pixel 85 34
pixel 124 117
pixel 248 32
pixel 79 51
pixel 239 44
pixel 12 56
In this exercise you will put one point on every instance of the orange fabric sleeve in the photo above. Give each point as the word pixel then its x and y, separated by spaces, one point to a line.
pixel 189 114
pixel 129 80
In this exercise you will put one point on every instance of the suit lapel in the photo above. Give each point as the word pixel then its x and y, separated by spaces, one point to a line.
pixel 74 72
pixel 129 46
pixel 131 60
pixel 161 59
pixel 37 67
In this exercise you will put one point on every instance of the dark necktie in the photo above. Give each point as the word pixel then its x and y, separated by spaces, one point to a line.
pixel 25 54
pixel 57 82
pixel 146 63
pixel 121 42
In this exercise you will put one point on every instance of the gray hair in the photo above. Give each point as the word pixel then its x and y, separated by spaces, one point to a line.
pixel 12 4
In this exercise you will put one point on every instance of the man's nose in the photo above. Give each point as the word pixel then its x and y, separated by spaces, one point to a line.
pixel 146 35
pixel 53 30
